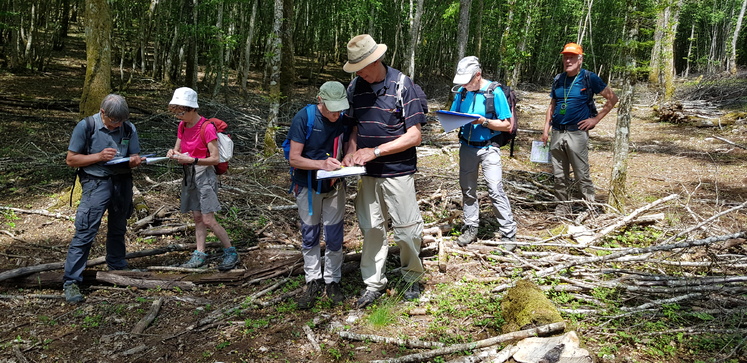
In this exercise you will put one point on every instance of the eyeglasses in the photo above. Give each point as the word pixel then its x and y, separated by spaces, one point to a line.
pixel 112 120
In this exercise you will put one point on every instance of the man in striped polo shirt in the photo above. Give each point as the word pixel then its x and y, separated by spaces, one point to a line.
pixel 386 114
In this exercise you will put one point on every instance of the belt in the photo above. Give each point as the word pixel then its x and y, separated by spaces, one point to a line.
pixel 475 143
pixel 564 128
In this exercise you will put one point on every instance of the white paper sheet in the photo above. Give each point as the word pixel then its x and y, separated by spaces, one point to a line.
pixel 451 120
pixel 339 173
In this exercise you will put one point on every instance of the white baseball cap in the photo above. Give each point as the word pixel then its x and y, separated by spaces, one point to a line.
pixel 185 96
pixel 466 68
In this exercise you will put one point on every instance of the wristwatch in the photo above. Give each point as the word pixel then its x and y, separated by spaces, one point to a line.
pixel 195 162
pixel 377 152
pixel 486 123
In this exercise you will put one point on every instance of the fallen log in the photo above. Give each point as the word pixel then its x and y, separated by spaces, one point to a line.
pixel 410 343
pixel 142 283
pixel 28 270
pixel 517 335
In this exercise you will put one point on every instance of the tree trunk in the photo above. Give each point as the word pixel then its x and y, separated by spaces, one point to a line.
pixel 274 65
pixel 690 41
pixel 221 43
pixel 191 68
pixel 414 37
pixel 734 38
pixel 622 131
pixel 248 46
pixel 97 83
pixel 463 28
pixel 288 75
pixel 667 52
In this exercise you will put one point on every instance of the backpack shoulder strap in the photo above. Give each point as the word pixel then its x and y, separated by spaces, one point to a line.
pixel 90 128
pixel 399 87
pixel 490 98
pixel 310 118
pixel 555 84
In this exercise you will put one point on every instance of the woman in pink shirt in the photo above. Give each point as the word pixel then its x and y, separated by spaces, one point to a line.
pixel 197 151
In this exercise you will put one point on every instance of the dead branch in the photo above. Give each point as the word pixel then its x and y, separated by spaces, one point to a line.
pixel 31 296
pixel 40 212
pixel 699 225
pixel 730 142
pixel 662 302
pixel 147 220
pixel 617 255
pixel 521 334
pixel 630 217
pixel 142 283
pixel 409 342
pixel 310 336
pixel 28 270
pixel 147 319
pixel 165 231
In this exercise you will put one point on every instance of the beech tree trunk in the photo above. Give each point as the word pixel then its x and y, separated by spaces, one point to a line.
pixel 414 36
pixel 97 83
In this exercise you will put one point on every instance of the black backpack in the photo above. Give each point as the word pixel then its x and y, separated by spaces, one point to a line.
pixel 504 137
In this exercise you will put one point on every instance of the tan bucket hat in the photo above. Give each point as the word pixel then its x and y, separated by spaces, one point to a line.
pixel 362 51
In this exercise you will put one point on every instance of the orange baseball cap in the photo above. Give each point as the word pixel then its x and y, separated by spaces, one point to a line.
pixel 572 48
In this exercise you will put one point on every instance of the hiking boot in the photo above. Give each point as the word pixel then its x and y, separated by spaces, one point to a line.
pixel 314 289
pixel 367 298
pixel 198 259
pixel 413 291
pixel 469 235
pixel 509 247
pixel 334 292
pixel 72 293
pixel 230 259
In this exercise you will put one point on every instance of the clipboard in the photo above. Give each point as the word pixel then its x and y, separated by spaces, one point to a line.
pixel 451 120
pixel 339 173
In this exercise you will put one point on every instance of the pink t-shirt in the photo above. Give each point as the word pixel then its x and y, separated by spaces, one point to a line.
pixel 191 142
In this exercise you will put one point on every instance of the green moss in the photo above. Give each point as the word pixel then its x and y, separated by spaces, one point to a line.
pixel 525 306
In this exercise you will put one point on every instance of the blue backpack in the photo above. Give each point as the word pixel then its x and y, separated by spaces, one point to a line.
pixel 310 118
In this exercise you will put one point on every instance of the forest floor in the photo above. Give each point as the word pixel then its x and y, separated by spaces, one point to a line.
pixel 249 314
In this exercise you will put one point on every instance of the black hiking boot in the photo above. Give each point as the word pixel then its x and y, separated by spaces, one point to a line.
pixel 314 290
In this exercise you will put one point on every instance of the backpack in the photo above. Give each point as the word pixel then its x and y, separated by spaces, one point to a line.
pixel 586 80
pixel 225 144
pixel 310 118
pixel 90 128
pixel 504 137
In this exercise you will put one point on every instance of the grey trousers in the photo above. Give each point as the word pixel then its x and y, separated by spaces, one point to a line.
pixel 570 149
pixel 470 159
pixel 329 210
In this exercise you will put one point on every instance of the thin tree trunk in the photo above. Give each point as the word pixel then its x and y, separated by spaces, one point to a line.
pixel 221 44
pixel 248 46
pixel 618 190
pixel 97 83
pixel 415 25
pixel 691 40
pixel 463 28
pixel 274 66
pixel 190 77
pixel 734 38
pixel 288 74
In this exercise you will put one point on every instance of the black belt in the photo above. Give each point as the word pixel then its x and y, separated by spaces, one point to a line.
pixel 563 128
pixel 114 177
pixel 475 143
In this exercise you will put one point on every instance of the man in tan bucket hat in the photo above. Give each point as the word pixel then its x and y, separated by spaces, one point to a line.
pixel 386 114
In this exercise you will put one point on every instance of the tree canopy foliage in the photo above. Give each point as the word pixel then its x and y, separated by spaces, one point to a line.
pixel 517 40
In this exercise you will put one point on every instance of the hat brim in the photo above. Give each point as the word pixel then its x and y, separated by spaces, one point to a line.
pixel 571 52
pixel 461 79
pixel 373 57
pixel 336 105
pixel 180 102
